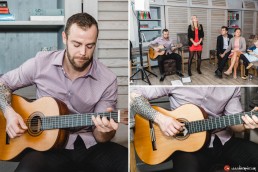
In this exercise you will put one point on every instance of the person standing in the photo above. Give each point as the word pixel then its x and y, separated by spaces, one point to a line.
pixel 195 36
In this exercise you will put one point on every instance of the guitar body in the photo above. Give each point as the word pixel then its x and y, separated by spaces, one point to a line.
pixel 166 146
pixel 33 138
pixel 154 54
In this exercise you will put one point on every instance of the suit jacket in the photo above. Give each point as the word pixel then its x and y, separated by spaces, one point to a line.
pixel 191 34
pixel 242 45
pixel 220 43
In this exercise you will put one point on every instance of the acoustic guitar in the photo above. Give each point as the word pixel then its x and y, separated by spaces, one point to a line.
pixel 153 54
pixel 153 147
pixel 46 119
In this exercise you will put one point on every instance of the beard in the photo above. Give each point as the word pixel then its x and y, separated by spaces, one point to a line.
pixel 78 67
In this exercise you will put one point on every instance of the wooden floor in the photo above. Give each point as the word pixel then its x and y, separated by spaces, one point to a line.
pixel 206 78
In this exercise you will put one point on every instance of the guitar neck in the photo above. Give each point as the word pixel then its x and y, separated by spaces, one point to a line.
pixel 74 120
pixel 216 123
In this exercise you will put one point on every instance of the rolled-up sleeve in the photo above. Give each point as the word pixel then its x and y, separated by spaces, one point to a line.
pixel 151 93
pixel 155 41
pixel 234 105
pixel 21 76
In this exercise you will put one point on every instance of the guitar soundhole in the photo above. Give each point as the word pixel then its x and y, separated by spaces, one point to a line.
pixel 34 124
pixel 183 134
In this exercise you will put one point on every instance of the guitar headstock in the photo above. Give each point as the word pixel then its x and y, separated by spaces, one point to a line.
pixel 123 116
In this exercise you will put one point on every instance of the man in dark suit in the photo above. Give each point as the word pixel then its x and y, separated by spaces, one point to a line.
pixel 222 45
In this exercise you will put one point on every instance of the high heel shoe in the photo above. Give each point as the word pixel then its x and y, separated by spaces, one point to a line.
pixel 244 77
pixel 235 77
pixel 227 73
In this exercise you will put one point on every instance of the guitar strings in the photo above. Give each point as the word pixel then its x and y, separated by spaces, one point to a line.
pixel 215 123
pixel 69 119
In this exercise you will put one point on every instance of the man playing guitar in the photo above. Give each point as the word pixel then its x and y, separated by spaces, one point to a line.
pixel 168 53
pixel 222 148
pixel 75 77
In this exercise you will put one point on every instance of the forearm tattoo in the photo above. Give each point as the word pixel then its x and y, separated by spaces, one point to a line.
pixel 141 106
pixel 5 97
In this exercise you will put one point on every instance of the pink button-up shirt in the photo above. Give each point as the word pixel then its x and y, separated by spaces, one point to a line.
pixel 94 92
pixel 168 44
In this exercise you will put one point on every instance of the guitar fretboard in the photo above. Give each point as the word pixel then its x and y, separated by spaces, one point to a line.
pixel 74 120
pixel 215 123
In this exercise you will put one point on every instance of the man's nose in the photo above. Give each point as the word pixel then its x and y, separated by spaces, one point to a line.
pixel 82 50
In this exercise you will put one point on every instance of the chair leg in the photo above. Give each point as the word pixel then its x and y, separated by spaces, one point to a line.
pixel 242 69
pixel 211 55
pixel 131 70
pixel 148 62
pixel 183 63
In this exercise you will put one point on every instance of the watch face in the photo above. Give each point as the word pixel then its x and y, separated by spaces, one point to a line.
pixel 3 4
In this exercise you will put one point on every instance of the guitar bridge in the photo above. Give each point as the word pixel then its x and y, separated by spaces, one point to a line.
pixel 7 139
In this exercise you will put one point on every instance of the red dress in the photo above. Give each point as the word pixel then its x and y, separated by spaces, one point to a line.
pixel 196 39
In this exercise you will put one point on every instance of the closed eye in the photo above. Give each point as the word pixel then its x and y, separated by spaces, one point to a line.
pixel 90 46
pixel 76 45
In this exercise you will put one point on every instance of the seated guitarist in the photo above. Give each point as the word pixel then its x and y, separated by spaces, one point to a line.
pixel 169 54
pixel 85 85
pixel 223 148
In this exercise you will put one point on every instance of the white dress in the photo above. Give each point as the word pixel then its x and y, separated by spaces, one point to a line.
pixel 251 57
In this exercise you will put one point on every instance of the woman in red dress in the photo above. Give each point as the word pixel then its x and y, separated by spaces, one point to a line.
pixel 195 36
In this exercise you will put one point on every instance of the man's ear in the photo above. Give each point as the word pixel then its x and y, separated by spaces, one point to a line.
pixel 64 37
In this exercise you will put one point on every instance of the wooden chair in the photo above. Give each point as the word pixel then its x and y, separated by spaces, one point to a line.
pixel 252 70
pixel 213 55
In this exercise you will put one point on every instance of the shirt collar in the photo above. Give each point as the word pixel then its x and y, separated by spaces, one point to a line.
pixel 58 61
pixel 162 38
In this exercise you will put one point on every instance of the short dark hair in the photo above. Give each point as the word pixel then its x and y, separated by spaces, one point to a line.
pixel 164 30
pixel 83 20
pixel 224 27
pixel 237 29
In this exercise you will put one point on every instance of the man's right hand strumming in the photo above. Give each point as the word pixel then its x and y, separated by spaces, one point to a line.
pixel 15 126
